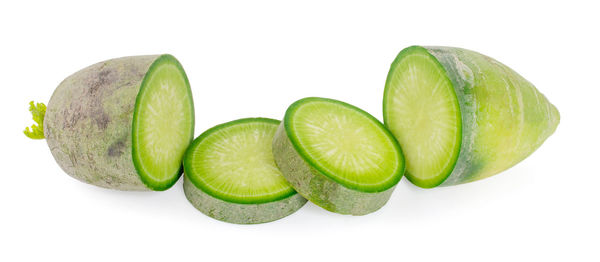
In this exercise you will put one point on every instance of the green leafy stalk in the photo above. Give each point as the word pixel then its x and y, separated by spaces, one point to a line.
pixel 38 111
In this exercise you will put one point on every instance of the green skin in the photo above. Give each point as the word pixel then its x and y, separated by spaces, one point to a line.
pixel 220 207
pixel 241 213
pixel 504 117
pixel 88 122
pixel 318 187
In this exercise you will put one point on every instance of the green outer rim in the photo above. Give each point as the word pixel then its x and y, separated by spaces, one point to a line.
pixel 401 55
pixel 144 177
pixel 198 184
pixel 295 143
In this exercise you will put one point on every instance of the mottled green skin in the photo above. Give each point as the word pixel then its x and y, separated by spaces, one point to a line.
pixel 241 213
pixel 504 117
pixel 317 187
pixel 88 122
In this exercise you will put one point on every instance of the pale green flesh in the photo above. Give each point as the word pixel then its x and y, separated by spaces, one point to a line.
pixel 163 122
pixel 346 144
pixel 421 110
pixel 235 163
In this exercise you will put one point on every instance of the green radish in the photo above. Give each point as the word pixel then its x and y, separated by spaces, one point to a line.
pixel 124 123
pixel 230 174
pixel 461 116
pixel 337 156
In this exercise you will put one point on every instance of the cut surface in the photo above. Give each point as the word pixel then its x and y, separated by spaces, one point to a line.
pixel 163 123
pixel 344 143
pixel 234 162
pixel 421 109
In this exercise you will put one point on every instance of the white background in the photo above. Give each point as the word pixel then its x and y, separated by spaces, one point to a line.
pixel 253 58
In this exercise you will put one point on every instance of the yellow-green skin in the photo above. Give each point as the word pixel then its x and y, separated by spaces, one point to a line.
pixel 504 117
pixel 88 122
